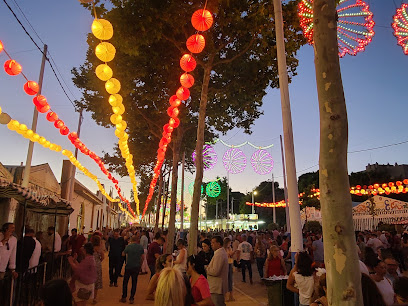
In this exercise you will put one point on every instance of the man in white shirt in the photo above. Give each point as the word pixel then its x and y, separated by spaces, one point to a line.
pixel 50 239
pixel 35 258
pixel 244 254
pixel 8 250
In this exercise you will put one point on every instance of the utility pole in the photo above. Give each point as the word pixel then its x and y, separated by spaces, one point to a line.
pixel 294 210
pixel 27 169
pixel 227 225
pixel 273 199
pixel 285 190
pixel 72 177
pixel 182 194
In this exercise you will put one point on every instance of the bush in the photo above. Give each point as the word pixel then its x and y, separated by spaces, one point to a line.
pixel 313 226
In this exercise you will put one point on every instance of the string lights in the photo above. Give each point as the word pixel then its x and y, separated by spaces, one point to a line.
pixel 400 26
pixel 354 26
pixel 103 30
pixel 201 20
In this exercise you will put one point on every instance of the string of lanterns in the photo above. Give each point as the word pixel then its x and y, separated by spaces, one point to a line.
pixel 31 88
pixel 103 30
pixel 201 20
pixel 276 204
pixel 22 129
pixel 239 145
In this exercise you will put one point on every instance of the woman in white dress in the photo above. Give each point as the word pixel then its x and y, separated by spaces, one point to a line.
pixel 181 260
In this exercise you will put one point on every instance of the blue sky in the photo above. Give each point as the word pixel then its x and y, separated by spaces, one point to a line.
pixel 373 83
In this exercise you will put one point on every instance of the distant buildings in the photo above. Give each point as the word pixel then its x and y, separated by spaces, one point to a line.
pixel 394 171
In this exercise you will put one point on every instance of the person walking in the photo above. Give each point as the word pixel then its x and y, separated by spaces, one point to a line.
pixel 134 258
pixel 230 253
pixel 99 257
pixel 144 242
pixel 217 272
pixel 153 252
pixel 116 247
pixel 260 256
pixel 244 254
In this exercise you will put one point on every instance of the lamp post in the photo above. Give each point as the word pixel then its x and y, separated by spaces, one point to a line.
pixel 253 206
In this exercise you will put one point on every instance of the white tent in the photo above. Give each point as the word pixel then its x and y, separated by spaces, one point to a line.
pixel 387 210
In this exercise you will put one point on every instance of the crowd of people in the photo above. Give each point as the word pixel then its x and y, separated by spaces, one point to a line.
pixel 205 278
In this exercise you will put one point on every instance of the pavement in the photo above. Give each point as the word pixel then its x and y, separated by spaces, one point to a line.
pixel 244 293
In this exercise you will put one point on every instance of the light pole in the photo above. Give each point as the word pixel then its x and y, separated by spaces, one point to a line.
pixel 253 206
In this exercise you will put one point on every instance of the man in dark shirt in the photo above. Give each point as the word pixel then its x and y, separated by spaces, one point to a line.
pixel 25 248
pixel 116 247
pixel 76 242
pixel 153 252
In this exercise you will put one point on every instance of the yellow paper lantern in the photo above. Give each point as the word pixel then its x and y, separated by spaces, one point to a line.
pixel 16 125
pixel 102 29
pixel 103 72
pixel 112 86
pixel 118 110
pixel 23 127
pixel 52 146
pixel 115 119
pixel 119 133
pixel 47 144
pixel 105 51
pixel 0 109
pixel 10 125
pixel 115 100
pixel 121 126
pixel 42 140
pixel 29 133
pixel 36 137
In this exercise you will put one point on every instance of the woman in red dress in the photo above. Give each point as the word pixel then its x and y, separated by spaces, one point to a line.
pixel 274 264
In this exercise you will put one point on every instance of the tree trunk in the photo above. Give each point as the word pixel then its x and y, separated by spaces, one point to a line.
pixel 341 259
pixel 192 243
pixel 165 194
pixel 159 196
pixel 173 198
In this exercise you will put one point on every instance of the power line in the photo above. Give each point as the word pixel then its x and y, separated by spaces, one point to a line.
pixel 381 147
pixel 21 11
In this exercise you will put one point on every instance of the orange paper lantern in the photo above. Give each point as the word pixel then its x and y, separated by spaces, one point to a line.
pixel 183 93
pixel 174 101
pixel 59 124
pixel 173 112
pixel 186 80
pixel 64 130
pixel 43 109
pixel 202 20
pixel 195 43
pixel 12 67
pixel 188 63
pixel 40 101
pixel 52 116
pixel 31 88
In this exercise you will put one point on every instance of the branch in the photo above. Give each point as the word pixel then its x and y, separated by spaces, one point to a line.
pixel 182 50
pixel 229 60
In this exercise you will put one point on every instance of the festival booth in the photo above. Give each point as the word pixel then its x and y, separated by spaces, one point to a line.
pixel 386 210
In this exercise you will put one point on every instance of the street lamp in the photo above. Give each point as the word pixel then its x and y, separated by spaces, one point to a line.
pixel 253 206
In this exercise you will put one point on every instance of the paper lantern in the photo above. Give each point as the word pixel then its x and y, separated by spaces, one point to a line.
pixel 40 101
pixel 115 119
pixel 31 88
pixel 102 29
pixel 112 86
pixel 59 124
pixel 52 116
pixel 64 130
pixel 103 72
pixel 115 100
pixel 174 101
pixel 186 80
pixel 195 43
pixel 183 93
pixel 167 128
pixel 1 46
pixel 12 67
pixel 176 122
pixel 173 112
pixel 105 51
pixel 72 136
pixel 0 110
pixel 202 20
pixel 43 109
pixel 121 125
pixel 188 63
pixel 118 110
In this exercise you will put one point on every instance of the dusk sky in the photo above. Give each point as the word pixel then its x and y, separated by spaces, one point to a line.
pixel 374 84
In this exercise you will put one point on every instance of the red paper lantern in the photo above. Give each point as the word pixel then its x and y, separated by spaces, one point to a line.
pixel 59 123
pixel 12 67
pixel 186 80
pixel 183 93
pixel 64 130
pixel 73 136
pixel 174 101
pixel 202 20
pixel 52 116
pixel 1 46
pixel 43 109
pixel 31 88
pixel 173 111
pixel 188 63
pixel 405 181
pixel 195 43
pixel 40 101
pixel 167 128
pixel 176 122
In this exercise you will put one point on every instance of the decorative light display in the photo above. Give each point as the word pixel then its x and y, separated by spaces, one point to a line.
pixel 354 26
pixel 195 44
pixel 213 189
pixel 276 204
pixel 234 160
pixel 191 188
pixel 209 157
pixel 12 67
pixel 42 106
pixel 400 26
pixel 262 162
pixel 102 29
pixel 202 20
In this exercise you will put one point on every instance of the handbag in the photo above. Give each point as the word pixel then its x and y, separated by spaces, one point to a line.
pixel 84 294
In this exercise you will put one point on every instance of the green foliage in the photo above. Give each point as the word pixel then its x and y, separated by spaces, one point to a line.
pixel 313 226
pixel 273 226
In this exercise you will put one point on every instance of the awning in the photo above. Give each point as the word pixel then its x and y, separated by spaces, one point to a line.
pixel 44 204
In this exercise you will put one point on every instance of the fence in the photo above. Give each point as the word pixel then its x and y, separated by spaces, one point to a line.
pixel 25 289
pixel 364 221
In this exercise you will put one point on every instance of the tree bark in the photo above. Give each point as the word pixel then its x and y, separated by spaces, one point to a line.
pixel 159 196
pixel 165 194
pixel 192 243
pixel 341 259
pixel 173 197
